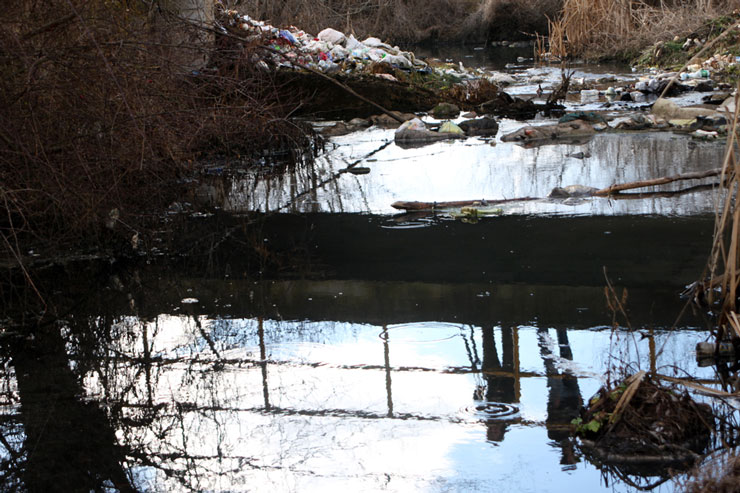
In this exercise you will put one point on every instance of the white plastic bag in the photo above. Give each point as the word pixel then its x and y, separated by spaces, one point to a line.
pixel 413 124
pixel 332 36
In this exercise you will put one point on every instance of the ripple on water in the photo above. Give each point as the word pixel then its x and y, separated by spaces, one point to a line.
pixel 423 333
pixel 488 410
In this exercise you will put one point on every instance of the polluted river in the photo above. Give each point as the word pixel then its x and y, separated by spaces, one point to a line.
pixel 312 337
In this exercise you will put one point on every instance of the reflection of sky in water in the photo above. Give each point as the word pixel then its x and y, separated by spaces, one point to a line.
pixel 347 406
pixel 474 169
pixel 327 384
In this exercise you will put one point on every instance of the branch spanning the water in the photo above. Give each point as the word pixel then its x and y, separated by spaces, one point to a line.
pixel 657 181
pixel 430 206
pixel 604 192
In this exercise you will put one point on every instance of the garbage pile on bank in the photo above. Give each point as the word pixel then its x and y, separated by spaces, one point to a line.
pixel 330 51
pixel 334 52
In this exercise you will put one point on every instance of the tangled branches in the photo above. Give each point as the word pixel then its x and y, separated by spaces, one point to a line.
pixel 107 105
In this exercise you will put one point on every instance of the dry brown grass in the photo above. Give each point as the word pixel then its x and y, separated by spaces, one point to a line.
pixel 597 28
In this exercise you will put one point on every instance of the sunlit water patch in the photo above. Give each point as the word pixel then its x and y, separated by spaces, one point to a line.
pixel 476 169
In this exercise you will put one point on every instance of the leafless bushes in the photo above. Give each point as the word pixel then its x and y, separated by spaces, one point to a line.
pixel 610 27
pixel 102 115
pixel 412 20
pixel 509 19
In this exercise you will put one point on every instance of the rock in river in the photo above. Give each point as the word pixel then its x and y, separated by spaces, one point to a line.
pixel 487 127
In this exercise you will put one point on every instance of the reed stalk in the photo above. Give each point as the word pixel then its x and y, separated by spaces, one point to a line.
pixel 725 255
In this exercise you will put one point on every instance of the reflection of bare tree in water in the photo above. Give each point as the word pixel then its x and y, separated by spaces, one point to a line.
pixel 129 404
pixel 85 407
pixel 502 386
pixel 501 383
pixel 70 444
pixel 564 398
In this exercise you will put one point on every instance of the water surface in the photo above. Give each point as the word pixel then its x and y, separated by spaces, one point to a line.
pixel 306 336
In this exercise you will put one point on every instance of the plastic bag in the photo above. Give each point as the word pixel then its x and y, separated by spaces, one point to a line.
pixel 352 44
pixel 450 128
pixel 398 60
pixel 288 36
pixel 338 53
pixel 332 36
pixel 413 124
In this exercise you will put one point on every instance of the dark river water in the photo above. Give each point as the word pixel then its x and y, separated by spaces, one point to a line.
pixel 309 337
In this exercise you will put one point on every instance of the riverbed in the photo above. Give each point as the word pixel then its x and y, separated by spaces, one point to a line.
pixel 310 337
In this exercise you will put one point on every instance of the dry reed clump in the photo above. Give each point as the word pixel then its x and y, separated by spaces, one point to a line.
pixel 103 116
pixel 599 28
pixel 723 269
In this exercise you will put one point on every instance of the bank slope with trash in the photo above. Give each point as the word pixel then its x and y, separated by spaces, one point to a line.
pixel 309 67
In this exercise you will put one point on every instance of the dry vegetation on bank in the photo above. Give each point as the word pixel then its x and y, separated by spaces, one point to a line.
pixel 718 476
pixel 102 116
pixel 102 113
pixel 619 28
pixel 411 21
pixel 577 28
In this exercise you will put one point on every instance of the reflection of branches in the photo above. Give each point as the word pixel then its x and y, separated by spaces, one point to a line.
pixel 333 177
pixel 634 480
pixel 11 469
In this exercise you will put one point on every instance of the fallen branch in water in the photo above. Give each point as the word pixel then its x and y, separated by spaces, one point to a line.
pixel 655 195
pixel 658 181
pixel 679 454
pixel 612 191
pixel 702 389
pixel 430 206
pixel 331 178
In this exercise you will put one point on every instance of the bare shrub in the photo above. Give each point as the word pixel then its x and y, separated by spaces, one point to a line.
pixel 411 20
pixel 511 19
pixel 103 115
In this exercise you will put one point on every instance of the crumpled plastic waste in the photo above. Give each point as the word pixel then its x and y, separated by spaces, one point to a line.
pixel 451 128
pixel 288 36
pixel 697 74
pixel 704 134
pixel 330 51
pixel 332 36
pixel 413 124
pixel 720 62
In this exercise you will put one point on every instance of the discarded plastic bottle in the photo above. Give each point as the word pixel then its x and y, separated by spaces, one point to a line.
pixel 699 74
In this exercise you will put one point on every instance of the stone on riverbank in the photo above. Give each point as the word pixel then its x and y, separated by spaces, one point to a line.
pixel 669 110
pixel 446 111
pixel 415 132
pixel 483 127
pixel 575 128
